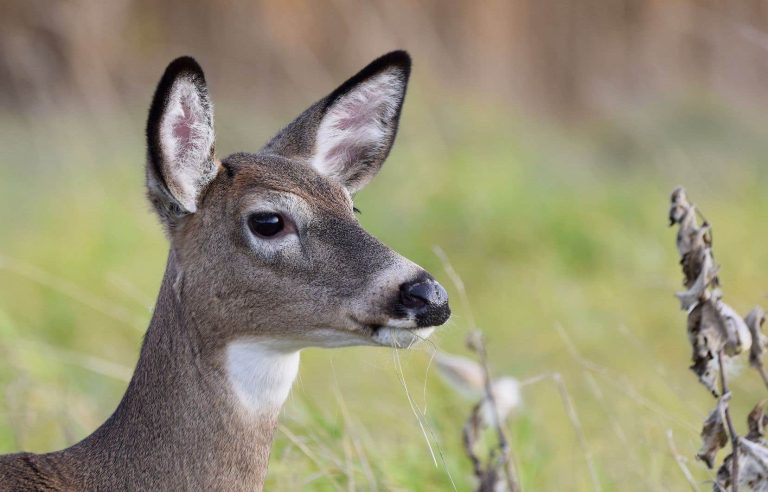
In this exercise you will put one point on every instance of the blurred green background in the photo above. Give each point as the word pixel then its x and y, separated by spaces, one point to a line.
pixel 539 143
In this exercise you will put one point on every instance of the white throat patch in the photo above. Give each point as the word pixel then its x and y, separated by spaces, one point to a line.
pixel 261 374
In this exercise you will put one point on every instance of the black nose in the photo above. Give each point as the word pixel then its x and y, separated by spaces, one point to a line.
pixel 427 300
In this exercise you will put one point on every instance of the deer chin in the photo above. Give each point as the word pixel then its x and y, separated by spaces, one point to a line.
pixel 396 337
pixel 392 332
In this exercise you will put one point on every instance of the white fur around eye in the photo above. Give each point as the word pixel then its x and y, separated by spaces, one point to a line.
pixel 296 214
pixel 186 140
pixel 358 124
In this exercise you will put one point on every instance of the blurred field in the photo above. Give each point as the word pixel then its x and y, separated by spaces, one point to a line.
pixel 548 228
pixel 538 148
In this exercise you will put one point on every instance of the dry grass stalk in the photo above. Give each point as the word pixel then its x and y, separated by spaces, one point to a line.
pixel 499 460
pixel 681 462
pixel 718 334
pixel 498 398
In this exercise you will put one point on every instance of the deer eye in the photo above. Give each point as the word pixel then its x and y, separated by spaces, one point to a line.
pixel 266 224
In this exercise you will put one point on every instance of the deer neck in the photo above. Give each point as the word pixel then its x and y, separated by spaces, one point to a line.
pixel 198 413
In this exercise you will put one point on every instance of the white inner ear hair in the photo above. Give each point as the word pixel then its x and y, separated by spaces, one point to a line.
pixel 186 139
pixel 358 125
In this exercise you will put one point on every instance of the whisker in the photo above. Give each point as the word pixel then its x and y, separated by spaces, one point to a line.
pixel 426 378
pixel 423 424
pixel 399 367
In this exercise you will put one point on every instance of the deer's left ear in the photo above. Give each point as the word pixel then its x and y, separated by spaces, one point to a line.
pixel 348 134
pixel 359 121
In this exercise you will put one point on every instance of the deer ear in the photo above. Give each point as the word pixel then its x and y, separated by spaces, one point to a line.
pixel 180 141
pixel 359 121
pixel 347 135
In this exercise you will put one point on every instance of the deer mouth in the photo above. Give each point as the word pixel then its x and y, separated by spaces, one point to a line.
pixel 395 333
pixel 392 336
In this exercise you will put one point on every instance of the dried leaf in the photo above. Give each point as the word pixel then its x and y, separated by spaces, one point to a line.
pixel 723 478
pixel 506 394
pixel 462 374
pixel 713 435
pixel 471 435
pixel 706 368
pixel 694 244
pixel 475 341
pixel 700 273
pixel 754 321
pixel 682 212
pixel 706 340
pixel 737 335
pixel 467 378
pixel 753 467
pixel 491 474
pixel 714 326
pixel 492 478
pixel 699 251
pixel 679 207
pixel 756 422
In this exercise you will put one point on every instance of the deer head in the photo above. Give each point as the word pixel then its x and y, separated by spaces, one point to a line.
pixel 268 246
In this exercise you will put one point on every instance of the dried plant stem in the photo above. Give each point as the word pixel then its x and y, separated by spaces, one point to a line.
pixel 680 459
pixel 731 430
pixel 570 409
pixel 354 438
pixel 508 462
pixel 573 416
pixel 506 452
pixel 458 283
pixel 412 403
pixel 763 375
pixel 325 472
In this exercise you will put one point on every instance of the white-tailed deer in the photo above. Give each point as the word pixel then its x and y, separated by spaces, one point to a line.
pixel 266 258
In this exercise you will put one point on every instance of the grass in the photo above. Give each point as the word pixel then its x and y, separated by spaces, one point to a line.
pixel 558 235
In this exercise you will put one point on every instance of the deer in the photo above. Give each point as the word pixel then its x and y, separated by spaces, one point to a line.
pixel 266 258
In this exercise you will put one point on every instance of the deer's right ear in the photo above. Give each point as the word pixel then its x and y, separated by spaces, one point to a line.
pixel 180 141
